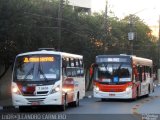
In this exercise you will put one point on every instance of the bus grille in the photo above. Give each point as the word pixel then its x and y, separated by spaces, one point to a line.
pixel 30 100
pixel 113 90
pixel 38 93
pixel 43 92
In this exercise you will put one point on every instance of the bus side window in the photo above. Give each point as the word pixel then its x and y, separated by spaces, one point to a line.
pixel 82 71
pixel 81 63
pixel 135 72
pixel 148 74
pixel 144 72
pixel 67 62
pixel 72 62
pixel 76 62
pixel 140 72
pixel 74 72
pixel 64 66
pixel 69 72
pixel 150 71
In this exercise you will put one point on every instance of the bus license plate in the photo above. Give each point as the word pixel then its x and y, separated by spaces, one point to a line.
pixel 111 94
pixel 42 88
pixel 35 103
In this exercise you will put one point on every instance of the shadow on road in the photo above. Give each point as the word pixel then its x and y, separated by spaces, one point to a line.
pixel 123 100
pixel 34 109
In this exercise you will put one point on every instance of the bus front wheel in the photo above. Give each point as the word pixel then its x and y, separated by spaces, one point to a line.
pixel 63 107
pixel 76 103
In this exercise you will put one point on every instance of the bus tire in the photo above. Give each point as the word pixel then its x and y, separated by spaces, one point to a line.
pixel 147 95
pixel 137 95
pixel 153 90
pixel 64 106
pixel 76 103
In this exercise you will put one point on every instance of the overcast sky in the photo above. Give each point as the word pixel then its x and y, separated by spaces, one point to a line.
pixel 147 10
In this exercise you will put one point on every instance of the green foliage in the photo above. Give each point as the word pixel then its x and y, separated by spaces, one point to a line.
pixel 27 25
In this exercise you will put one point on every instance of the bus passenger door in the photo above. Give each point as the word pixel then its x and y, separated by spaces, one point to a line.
pixel 144 83
pixel 81 82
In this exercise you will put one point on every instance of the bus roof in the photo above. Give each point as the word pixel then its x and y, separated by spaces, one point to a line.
pixel 113 56
pixel 52 52
pixel 136 60
pixel 142 61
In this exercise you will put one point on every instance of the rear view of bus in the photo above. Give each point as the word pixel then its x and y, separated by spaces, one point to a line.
pixel 38 79
pixel 114 77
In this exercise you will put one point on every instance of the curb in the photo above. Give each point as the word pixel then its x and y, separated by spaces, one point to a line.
pixel 89 96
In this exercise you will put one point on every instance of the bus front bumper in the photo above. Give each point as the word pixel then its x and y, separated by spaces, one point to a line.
pixel 52 99
pixel 114 95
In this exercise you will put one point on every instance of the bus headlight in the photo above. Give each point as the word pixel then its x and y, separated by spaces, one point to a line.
pixel 96 88
pixel 129 88
pixel 56 89
pixel 16 90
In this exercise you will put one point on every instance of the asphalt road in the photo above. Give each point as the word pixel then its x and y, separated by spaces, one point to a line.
pixel 91 108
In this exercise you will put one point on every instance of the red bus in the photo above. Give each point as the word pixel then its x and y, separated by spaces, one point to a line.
pixel 122 77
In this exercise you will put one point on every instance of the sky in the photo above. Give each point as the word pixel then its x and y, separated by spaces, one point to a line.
pixel 147 10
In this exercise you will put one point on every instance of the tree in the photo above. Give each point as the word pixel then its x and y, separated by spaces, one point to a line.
pixel 27 25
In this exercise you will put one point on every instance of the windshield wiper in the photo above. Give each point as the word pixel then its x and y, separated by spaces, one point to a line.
pixel 118 69
pixel 106 67
pixel 41 72
pixel 29 72
pixel 120 66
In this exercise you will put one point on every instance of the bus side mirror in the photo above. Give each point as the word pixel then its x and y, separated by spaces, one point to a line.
pixel 91 70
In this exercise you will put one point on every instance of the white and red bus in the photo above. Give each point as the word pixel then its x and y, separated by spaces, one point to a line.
pixel 122 77
pixel 47 77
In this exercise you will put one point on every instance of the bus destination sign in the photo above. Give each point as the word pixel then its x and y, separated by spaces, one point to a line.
pixel 109 59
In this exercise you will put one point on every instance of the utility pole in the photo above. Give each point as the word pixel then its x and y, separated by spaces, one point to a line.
pixel 159 52
pixel 106 32
pixel 159 45
pixel 158 61
pixel 131 34
pixel 60 23
pixel 159 28
pixel 106 18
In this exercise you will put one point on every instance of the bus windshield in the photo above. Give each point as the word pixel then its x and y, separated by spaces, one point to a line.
pixel 114 72
pixel 37 68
